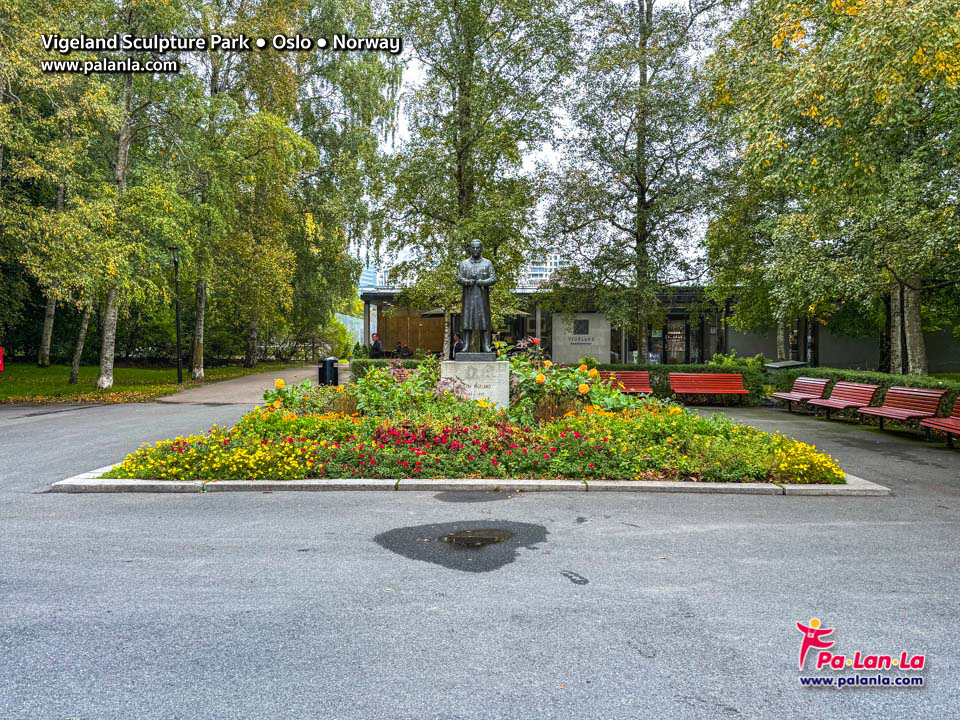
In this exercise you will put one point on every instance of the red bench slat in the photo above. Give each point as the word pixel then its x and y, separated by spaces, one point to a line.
pixel 903 403
pixel 804 389
pixel 707 384
pixel 632 381
pixel 847 395
pixel 949 425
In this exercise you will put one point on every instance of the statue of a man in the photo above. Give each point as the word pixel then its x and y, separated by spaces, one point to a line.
pixel 476 275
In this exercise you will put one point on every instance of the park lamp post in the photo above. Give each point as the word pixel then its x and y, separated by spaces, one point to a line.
pixel 175 252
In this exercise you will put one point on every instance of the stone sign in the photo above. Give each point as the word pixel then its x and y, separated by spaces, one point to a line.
pixel 583 334
pixel 485 380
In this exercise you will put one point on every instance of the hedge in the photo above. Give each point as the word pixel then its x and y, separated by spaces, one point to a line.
pixel 782 380
pixel 361 366
pixel 753 379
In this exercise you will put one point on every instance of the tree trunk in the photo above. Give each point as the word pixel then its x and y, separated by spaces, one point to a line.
pixel 81 338
pixel 250 358
pixel 108 341
pixel 781 344
pixel 197 371
pixel 43 360
pixel 124 139
pixel 47 338
pixel 913 330
pixel 446 336
pixel 897 349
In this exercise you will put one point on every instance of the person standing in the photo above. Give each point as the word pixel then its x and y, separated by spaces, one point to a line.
pixel 457 345
pixel 376 349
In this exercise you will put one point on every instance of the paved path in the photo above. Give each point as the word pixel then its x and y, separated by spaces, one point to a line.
pixel 246 389
pixel 334 605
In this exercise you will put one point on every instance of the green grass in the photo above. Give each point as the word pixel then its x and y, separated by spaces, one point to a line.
pixel 26 383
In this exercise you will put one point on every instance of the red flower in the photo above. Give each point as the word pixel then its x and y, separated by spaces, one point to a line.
pixel 590 465
pixel 535 341
pixel 546 456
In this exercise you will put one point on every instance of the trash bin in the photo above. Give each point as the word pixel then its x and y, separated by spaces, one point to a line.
pixel 329 375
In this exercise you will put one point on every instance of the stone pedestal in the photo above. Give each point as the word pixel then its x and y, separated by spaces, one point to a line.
pixel 486 380
pixel 475 356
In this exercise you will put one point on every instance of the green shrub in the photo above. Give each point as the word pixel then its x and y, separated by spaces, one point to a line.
pixel 401 434
pixel 753 379
pixel 361 366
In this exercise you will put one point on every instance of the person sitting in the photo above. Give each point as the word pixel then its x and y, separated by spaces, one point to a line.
pixel 376 348
pixel 457 345
pixel 405 351
pixel 398 350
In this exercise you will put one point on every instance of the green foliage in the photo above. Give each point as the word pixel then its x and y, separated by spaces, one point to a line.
pixel 843 117
pixel 336 338
pixel 636 166
pixel 403 431
pixel 491 74
pixel 732 360
pixel 359 367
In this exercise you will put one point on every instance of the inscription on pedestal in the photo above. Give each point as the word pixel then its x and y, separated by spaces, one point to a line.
pixel 484 380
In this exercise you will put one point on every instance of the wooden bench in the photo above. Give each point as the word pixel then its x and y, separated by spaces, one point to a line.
pixel 905 403
pixel 948 425
pixel 804 389
pixel 846 395
pixel 632 382
pixel 707 384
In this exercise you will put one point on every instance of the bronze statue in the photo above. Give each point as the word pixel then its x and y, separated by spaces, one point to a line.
pixel 476 275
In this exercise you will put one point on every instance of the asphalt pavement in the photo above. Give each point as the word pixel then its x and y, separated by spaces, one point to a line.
pixel 350 605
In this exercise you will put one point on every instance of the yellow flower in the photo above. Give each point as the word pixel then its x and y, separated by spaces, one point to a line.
pixel 583 388
pixel 540 379
pixel 279 384
pixel 547 363
pixel 582 368
pixel 594 372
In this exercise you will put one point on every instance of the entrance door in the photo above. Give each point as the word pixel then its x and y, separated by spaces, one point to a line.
pixel 676 342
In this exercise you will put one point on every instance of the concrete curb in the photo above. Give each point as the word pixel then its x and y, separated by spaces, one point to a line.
pixel 494 485
pixel 855 486
pixel 302 485
pixel 91 482
pixel 683 487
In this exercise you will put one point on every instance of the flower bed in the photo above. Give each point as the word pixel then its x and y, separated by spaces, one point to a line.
pixel 401 423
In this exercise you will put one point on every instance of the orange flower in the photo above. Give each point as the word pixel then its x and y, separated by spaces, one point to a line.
pixel 583 388
pixel 279 384
pixel 277 403
pixel 540 379
pixel 594 372
pixel 582 368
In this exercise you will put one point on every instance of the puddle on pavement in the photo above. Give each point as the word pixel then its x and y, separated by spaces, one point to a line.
pixel 471 497
pixel 467 545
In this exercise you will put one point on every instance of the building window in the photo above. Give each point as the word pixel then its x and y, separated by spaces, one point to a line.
pixel 581 327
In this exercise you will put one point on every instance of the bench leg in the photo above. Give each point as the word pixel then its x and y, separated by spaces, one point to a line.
pixel 926 434
pixel 949 440
pixel 881 422
pixel 789 405
pixel 828 413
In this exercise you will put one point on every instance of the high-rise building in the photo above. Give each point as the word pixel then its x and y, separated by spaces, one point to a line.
pixel 539 271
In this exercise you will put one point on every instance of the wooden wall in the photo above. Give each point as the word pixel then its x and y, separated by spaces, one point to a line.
pixel 396 324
